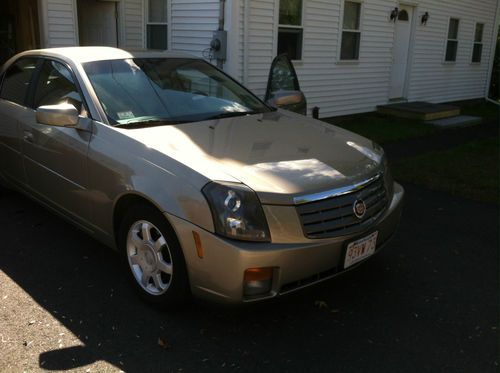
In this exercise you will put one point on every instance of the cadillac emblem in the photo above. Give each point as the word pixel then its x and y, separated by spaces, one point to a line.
pixel 359 208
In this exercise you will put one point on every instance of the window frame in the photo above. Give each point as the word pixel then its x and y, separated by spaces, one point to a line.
pixel 341 29
pixel 474 42
pixel 148 23
pixel 300 27
pixel 36 78
pixel 447 39
pixel 36 82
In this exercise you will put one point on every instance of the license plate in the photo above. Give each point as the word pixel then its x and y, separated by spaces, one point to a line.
pixel 360 249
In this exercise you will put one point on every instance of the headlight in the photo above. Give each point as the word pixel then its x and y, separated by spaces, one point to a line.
pixel 388 180
pixel 236 211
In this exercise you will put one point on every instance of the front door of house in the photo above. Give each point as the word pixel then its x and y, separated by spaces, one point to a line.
pixel 97 23
pixel 401 51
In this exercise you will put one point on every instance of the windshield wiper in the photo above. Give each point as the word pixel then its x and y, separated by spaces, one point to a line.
pixel 229 114
pixel 149 123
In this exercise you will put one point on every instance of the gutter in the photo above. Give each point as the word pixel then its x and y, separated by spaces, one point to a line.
pixel 246 11
pixel 494 36
pixel 222 6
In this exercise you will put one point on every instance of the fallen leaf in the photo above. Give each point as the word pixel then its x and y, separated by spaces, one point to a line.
pixel 163 343
pixel 321 304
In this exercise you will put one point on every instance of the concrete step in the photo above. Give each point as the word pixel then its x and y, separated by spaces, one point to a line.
pixel 419 110
pixel 458 121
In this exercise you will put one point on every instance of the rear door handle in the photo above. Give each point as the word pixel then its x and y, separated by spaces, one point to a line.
pixel 28 137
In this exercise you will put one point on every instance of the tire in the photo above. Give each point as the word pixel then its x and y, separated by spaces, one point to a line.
pixel 153 257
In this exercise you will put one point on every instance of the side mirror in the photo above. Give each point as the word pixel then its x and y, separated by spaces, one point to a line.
pixel 61 115
pixel 283 89
pixel 289 100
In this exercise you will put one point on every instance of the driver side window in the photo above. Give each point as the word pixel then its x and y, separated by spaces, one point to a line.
pixel 17 80
pixel 55 86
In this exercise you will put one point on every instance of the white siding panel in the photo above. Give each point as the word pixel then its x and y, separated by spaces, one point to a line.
pixel 193 23
pixel 133 24
pixel 241 45
pixel 260 49
pixel 61 29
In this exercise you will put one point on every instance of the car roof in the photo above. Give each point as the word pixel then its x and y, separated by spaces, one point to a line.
pixel 87 54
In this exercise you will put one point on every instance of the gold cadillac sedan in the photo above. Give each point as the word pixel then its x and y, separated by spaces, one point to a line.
pixel 204 189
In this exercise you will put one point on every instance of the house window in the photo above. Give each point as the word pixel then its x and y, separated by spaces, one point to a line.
pixel 156 25
pixel 403 15
pixel 351 31
pixel 452 43
pixel 477 49
pixel 290 29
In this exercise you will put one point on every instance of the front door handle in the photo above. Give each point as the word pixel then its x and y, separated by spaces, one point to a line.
pixel 28 137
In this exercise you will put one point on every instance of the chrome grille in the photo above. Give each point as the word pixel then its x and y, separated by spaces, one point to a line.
pixel 332 217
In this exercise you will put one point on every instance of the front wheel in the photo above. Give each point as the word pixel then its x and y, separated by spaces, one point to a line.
pixel 153 256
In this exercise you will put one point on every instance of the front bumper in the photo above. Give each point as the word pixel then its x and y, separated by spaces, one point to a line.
pixel 218 276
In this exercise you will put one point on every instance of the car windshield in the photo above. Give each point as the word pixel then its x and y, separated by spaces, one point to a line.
pixel 159 91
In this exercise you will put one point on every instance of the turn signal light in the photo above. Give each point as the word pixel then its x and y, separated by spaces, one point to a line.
pixel 257 281
pixel 199 247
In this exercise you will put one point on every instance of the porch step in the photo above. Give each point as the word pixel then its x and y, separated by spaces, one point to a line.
pixel 459 121
pixel 419 110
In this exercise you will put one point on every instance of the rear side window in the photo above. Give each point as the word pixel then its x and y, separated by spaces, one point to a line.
pixel 17 79
pixel 55 86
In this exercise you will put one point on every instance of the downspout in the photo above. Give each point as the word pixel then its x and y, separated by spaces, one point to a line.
pixel 222 5
pixel 494 36
pixel 245 41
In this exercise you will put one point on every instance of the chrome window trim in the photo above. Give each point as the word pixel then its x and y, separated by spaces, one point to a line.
pixel 300 200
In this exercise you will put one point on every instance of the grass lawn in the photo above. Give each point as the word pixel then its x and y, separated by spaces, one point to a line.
pixel 486 110
pixel 470 170
pixel 383 129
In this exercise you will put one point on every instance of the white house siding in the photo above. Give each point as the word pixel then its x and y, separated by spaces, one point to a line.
pixel 431 79
pixel 340 88
pixel 337 88
pixel 59 23
pixel 261 47
pixel 344 88
pixel 133 24
pixel 241 36
pixel 192 24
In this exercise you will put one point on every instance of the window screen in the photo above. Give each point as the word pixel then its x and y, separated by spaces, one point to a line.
pixel 351 31
pixel 290 30
pixel 452 43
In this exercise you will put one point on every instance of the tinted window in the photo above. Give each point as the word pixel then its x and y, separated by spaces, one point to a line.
pixel 17 79
pixel 55 86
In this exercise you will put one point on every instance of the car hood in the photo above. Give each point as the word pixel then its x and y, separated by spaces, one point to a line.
pixel 280 155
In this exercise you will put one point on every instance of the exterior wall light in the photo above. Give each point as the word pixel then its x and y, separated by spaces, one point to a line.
pixel 424 18
pixel 394 14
